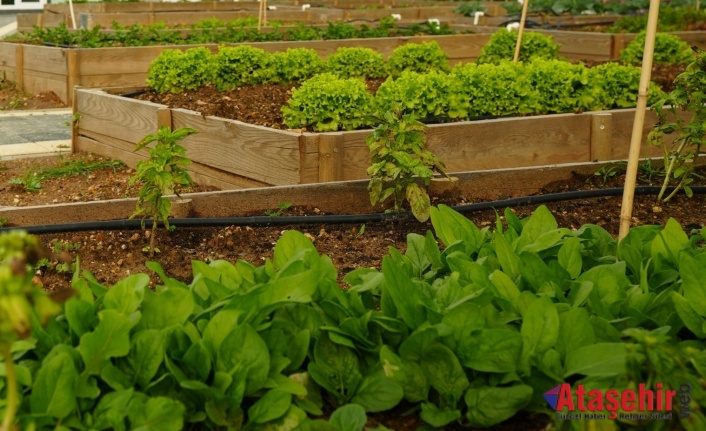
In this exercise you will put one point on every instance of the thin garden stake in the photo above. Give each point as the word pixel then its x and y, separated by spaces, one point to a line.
pixel 259 14
pixel 523 18
pixel 636 141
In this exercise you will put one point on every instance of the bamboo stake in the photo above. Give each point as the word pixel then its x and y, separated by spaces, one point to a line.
pixel 264 13
pixel 259 15
pixel 636 140
pixel 523 18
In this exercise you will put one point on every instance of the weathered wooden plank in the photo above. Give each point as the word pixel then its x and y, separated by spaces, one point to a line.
pixel 45 58
pixel 125 60
pixel 330 157
pixel 128 119
pixel 8 55
pixel 262 154
pixel 106 146
pixel 581 43
pixel 623 120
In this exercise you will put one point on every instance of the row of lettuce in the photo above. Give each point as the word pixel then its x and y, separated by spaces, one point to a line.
pixel 472 333
pixel 332 95
pixel 216 31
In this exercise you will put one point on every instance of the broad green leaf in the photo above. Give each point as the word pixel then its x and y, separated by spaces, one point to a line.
pixel 377 393
pixel 540 327
pixel 693 277
pixel 221 324
pixel 492 350
pixel 54 387
pixel 405 372
pixel 110 339
pixel 450 227
pixel 126 295
pixel 416 252
pixel 540 222
pixel 350 417
pixel 273 405
pixel 690 317
pixel 668 243
pixel 505 286
pixel 575 331
pixel 509 261
pixel 437 417
pixel 145 357
pixel 419 202
pixel 488 406
pixel 289 245
pixel 444 371
pixel 110 412
pixel 156 414
pixel 410 302
pixel 244 352
pixel 171 306
pixel 569 257
pixel 597 360
pixel 81 315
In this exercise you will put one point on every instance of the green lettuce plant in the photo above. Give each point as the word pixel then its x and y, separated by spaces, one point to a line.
pixel 327 103
pixel 161 175
pixel 174 71
pixel 669 49
pixel 563 86
pixel 433 95
pixel 501 46
pixel 414 57
pixel 240 65
pixel 399 159
pixel 496 90
pixel 356 62
pixel 295 65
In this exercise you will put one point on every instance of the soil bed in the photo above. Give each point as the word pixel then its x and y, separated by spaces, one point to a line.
pixel 13 98
pixel 261 104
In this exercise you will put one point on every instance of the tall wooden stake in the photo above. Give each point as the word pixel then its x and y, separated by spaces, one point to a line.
pixel 261 12
pixel 523 18
pixel 636 141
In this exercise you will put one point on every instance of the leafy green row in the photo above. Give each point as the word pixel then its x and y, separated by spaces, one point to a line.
pixel 467 91
pixel 229 33
pixel 175 71
pixel 474 332
pixel 670 19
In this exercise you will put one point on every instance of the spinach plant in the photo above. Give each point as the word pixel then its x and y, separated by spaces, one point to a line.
pixel 162 175
pixel 681 154
pixel 398 157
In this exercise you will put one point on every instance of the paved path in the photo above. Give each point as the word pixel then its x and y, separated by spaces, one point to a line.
pixel 34 133
pixel 8 24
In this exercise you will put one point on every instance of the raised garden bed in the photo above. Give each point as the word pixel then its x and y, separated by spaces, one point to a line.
pixel 39 69
pixel 229 153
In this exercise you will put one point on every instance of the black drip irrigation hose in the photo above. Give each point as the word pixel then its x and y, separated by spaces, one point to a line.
pixel 336 218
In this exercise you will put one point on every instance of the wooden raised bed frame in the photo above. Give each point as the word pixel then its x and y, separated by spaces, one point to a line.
pixel 38 69
pixel 231 154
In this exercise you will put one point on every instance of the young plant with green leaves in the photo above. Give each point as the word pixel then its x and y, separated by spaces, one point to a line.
pixel 501 46
pixel 398 160
pixel 669 49
pixel 415 57
pixel 161 175
pixel 356 62
pixel 23 306
pixel 174 71
pixel 240 65
pixel 295 65
pixel 328 103
pixel 680 139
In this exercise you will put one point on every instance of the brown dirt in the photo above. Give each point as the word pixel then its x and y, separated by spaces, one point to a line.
pixel 13 98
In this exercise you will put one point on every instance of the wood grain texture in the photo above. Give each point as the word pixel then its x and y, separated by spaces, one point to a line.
pixel 330 157
pixel 8 53
pixel 127 119
pixel 127 60
pixel 601 137
pixel 46 59
pixel 38 82
pixel 255 152
pixel 579 44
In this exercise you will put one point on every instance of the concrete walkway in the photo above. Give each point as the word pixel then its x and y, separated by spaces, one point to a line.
pixel 34 133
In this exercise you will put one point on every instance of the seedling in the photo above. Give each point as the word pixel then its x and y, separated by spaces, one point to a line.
pixel 29 180
pixel 161 174
pixel 32 178
pixel 278 212
pixel 397 157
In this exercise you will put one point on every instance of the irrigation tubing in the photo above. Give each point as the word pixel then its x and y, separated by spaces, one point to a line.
pixel 336 218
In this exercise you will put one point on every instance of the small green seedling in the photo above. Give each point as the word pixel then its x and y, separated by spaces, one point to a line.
pixel 161 176
pixel 278 212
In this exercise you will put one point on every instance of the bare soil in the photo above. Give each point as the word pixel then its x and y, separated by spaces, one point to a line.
pixel 13 98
